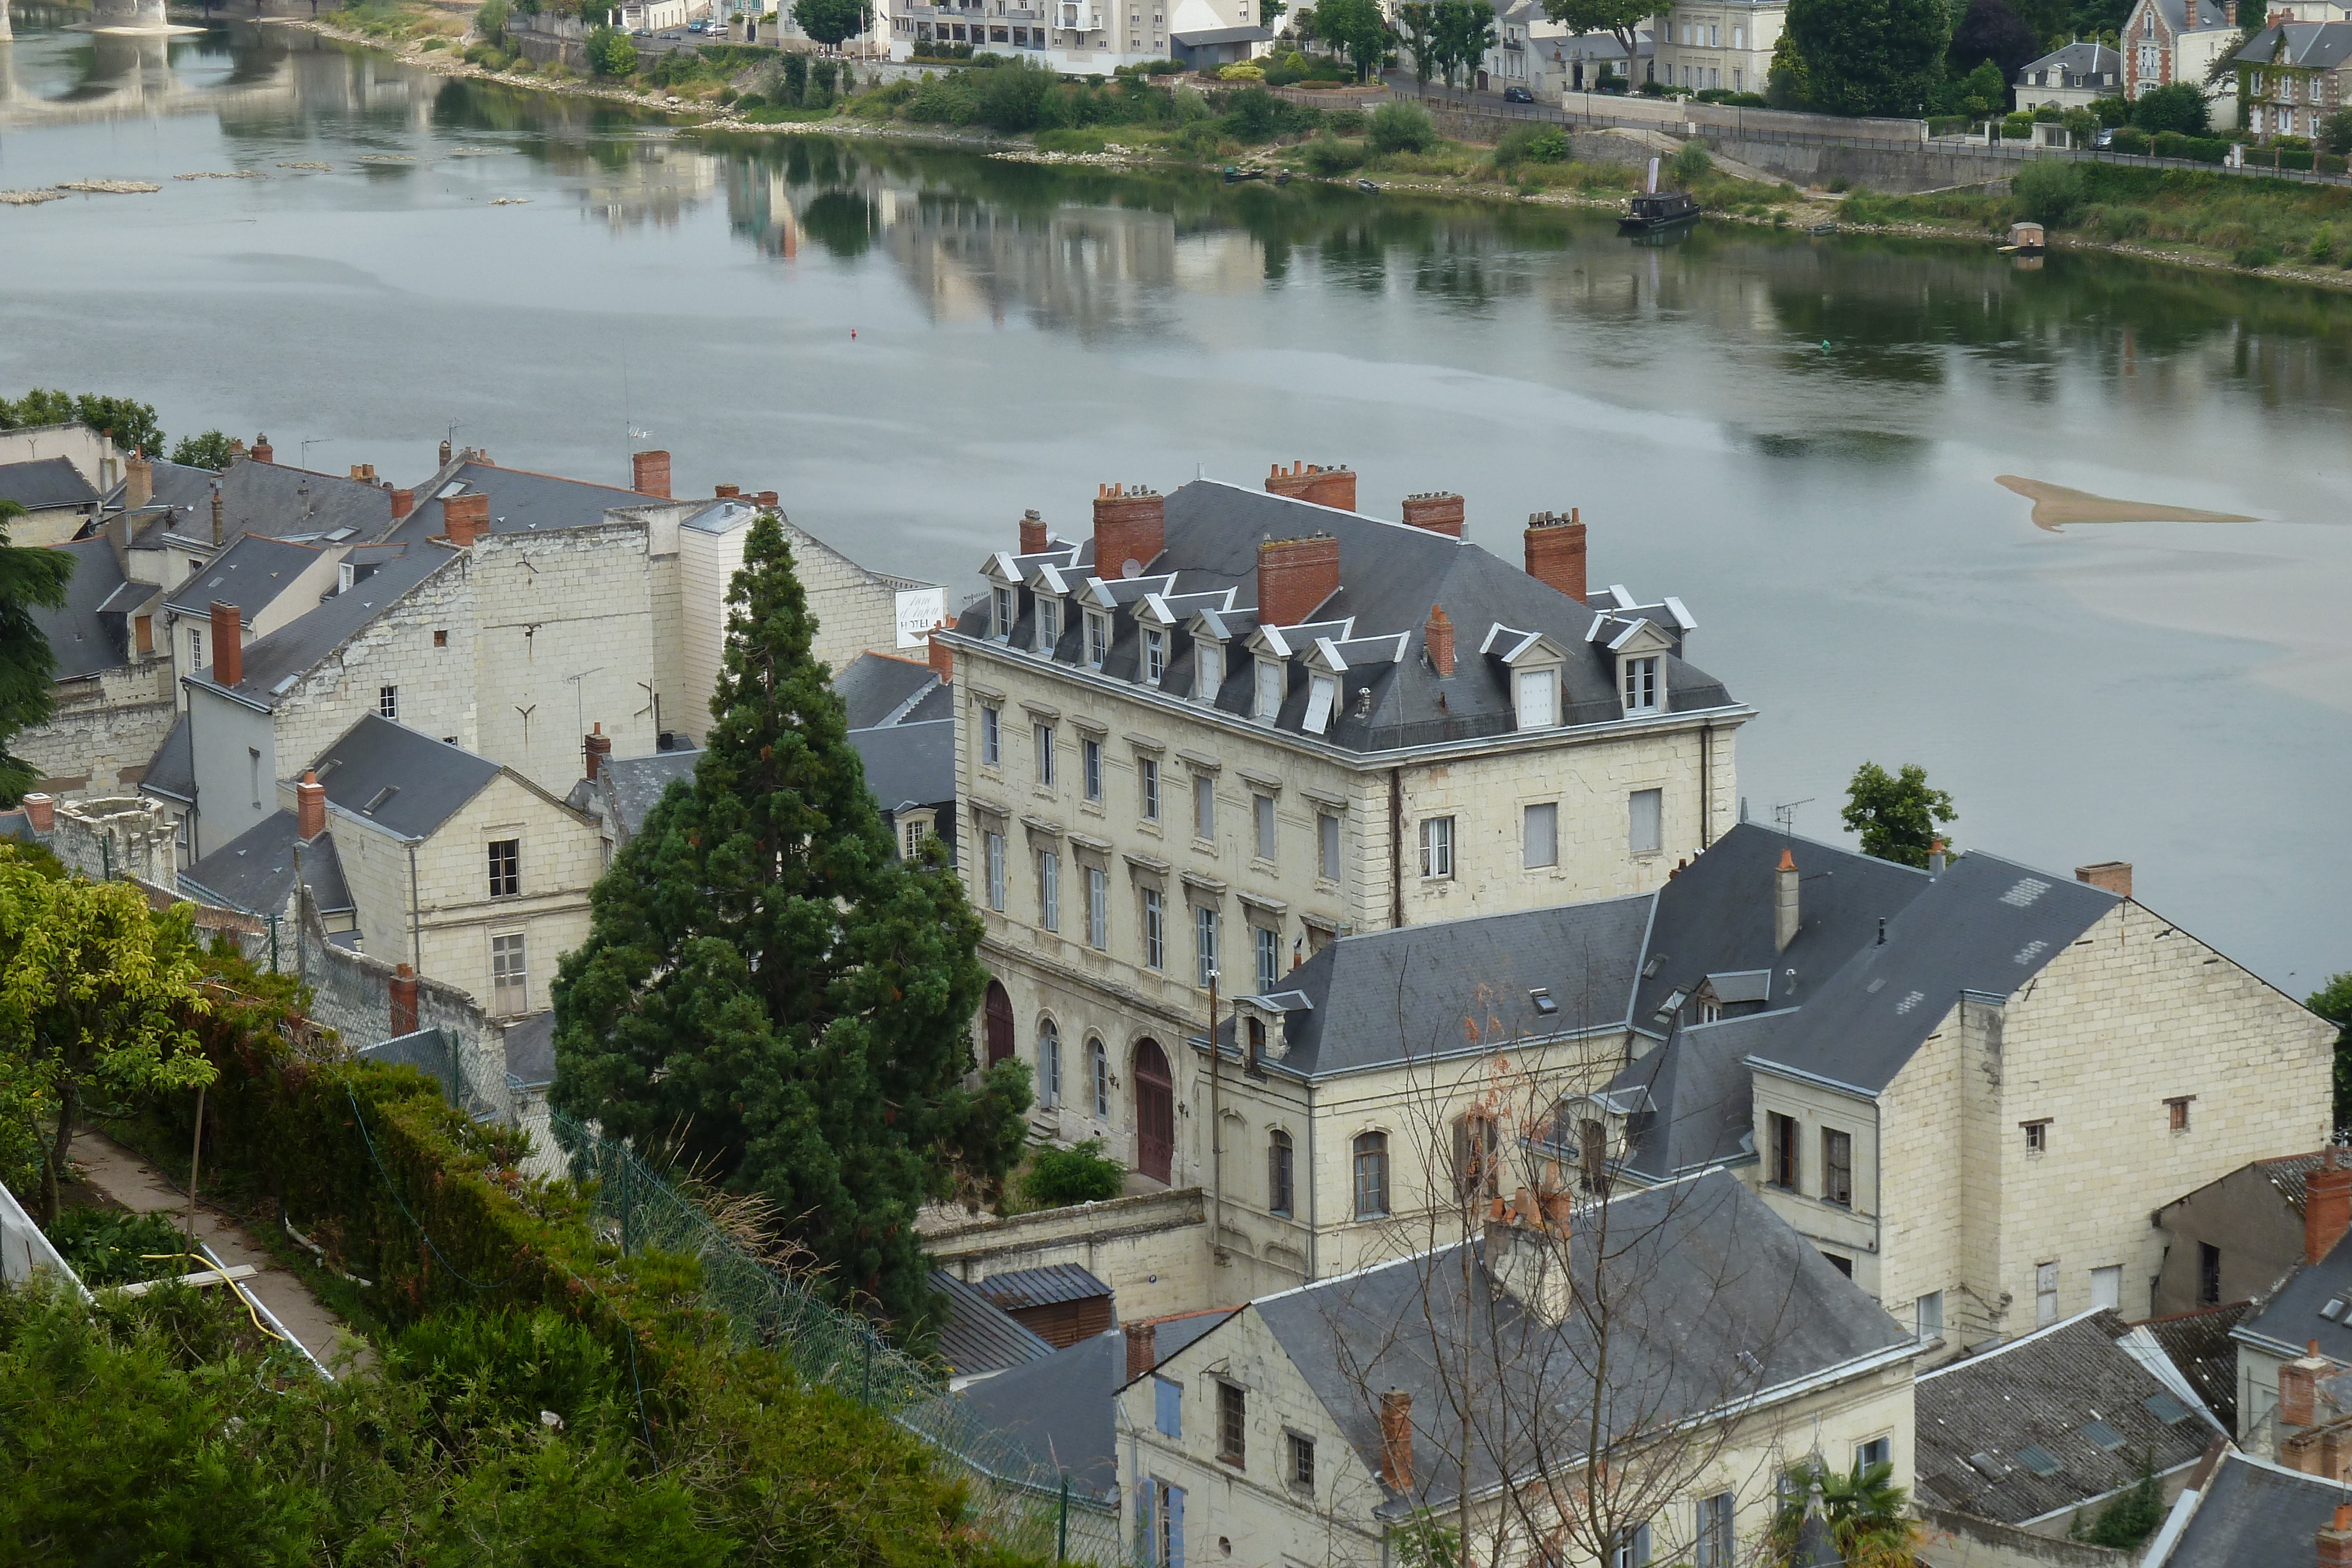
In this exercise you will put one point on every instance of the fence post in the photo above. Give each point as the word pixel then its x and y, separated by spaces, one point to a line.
pixel 1062 1534
pixel 867 1396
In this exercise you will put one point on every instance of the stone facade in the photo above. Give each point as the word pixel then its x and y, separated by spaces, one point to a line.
pixel 105 729
pixel 1151 1249
pixel 1725 45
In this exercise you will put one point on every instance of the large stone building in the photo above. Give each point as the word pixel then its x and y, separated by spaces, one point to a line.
pixel 1723 45
pixel 2168 41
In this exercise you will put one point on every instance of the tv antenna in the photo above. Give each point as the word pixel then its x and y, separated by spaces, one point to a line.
pixel 1785 813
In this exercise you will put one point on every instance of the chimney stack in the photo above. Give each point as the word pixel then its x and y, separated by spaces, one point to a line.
pixel 728 492
pixel 1141 1357
pixel 228 644
pixel 402 502
pixel 1310 482
pixel 1556 551
pixel 768 500
pixel 2326 1207
pixel 2114 877
pixel 2298 1388
pixel 1295 577
pixel 1437 636
pixel 2335 1540
pixel 1935 857
pixel 404 1000
pixel 1130 529
pixel 648 473
pixel 262 451
pixel 217 513
pixel 1784 902
pixel 310 807
pixel 1034 537
pixel 1396 1439
pixel 595 750
pixel 445 456
pixel 138 482
pixel 237 452
pixel 41 811
pixel 465 519
pixel 2229 13
pixel 942 656
pixel 1440 511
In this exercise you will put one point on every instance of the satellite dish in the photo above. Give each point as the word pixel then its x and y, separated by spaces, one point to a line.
pixel 1130 568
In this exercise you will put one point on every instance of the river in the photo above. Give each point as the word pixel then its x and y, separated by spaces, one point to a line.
pixel 1800 438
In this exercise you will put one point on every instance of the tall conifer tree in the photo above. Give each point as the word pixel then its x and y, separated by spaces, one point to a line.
pixel 29 578
pixel 764 985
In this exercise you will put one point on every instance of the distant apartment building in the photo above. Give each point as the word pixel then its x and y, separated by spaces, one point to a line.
pixel 1082 36
pixel 1726 45
pixel 2293 75
pixel 2073 78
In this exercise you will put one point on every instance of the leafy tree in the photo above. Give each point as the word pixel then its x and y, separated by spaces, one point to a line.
pixel 1869 57
pixel 2111 111
pixel 1400 127
pixel 1990 31
pixel 2129 1517
pixel 96 992
pixel 29 578
pixel 1983 91
pixel 1466 31
pixel 490 20
pixel 2333 1002
pixel 209 450
pixel 1620 19
pixel 1079 1174
pixel 2178 106
pixel 1896 813
pixel 1417 26
pixel 1787 80
pixel 39 406
pixel 1270 13
pixel 795 87
pixel 610 54
pixel 2335 131
pixel 830 21
pixel 132 424
pixel 1691 161
pixel 1863 1509
pixel 2049 191
pixel 765 987
pixel 1357 29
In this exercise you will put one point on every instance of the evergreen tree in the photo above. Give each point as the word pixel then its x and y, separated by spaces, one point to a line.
pixel 1869 57
pixel 28 577
pixel 1896 813
pixel 764 987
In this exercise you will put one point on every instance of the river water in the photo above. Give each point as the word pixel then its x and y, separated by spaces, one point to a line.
pixel 1799 438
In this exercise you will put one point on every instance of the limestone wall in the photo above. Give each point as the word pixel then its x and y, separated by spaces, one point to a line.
pixel 104 732
pixel 1152 1251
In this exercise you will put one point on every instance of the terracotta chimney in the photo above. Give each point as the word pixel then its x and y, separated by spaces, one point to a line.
pixel 2228 13
pixel 648 472
pixel 1441 512
pixel 1437 636
pixel 237 452
pixel 768 499
pixel 402 502
pixel 445 456
pixel 2326 1207
pixel 1034 537
pixel 216 512
pixel 465 519
pixel 595 750
pixel 1936 857
pixel 1784 902
pixel 2113 875
pixel 404 1000
pixel 1556 551
pixel 1396 1439
pixel 228 644
pixel 262 451
pixel 310 807
pixel 1130 529
pixel 1141 1355
pixel 138 481
pixel 1311 482
pixel 728 492
pixel 2298 1386
pixel 942 656
pixel 2335 1540
pixel 1295 577
pixel 41 811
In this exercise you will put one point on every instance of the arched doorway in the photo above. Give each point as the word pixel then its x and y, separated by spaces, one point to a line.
pixel 1155 1113
pixel 999 1014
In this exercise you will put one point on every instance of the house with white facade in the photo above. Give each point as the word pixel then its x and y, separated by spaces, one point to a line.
pixel 2168 41
pixel 1726 45
pixel 2073 78
pixel 1079 37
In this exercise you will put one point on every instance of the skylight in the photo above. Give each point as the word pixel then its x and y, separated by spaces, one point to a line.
pixel 2165 1408
pixel 2024 891
pixel 1541 997
pixel 2038 1459
pixel 1986 1466
pixel 2334 1310
pixel 2103 1435
pixel 382 798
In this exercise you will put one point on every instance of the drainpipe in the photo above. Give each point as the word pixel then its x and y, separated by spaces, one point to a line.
pixel 1311 1170
pixel 415 921
pixel 1216 1129
pixel 1396 849
pixel 1707 785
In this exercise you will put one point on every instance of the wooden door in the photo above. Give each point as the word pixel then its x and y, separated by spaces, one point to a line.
pixel 999 1014
pixel 1155 1113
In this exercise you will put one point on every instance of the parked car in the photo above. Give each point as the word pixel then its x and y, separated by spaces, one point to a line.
pixel 641 32
pixel 1517 95
pixel 697 26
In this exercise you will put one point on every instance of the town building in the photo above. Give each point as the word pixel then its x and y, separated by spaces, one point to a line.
pixel 1232 725
pixel 2241 1509
pixel 2168 41
pixel 1570 62
pixel 2293 75
pixel 1719 44
pixel 111 677
pixel 2073 78
pixel 1079 36
pixel 2237 1237
pixel 902 722
pixel 2300 1334
pixel 57 501
pixel 90 452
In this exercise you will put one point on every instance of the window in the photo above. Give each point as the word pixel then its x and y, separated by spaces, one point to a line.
pixel 1164 1524
pixel 1097 637
pixel 1302 1460
pixel 1168 1407
pixel 1269 688
pixel 1711 1537
pixel 1232 1423
pixel 991 738
pixel 1632 1548
pixel 1045 755
pixel 1536 688
pixel 1930 1311
pixel 1090 778
pixel 441 639
pixel 1327 847
pixel 1279 1152
pixel 1099 1071
pixel 1049 623
pixel 196 650
pixel 1049 890
pixel 1322 697
pixel 2177 1113
pixel 1155 930
pixel 1204 942
pixel 1209 677
pixel 1540 836
pixel 1155 653
pixel 1782 1135
pixel 1646 830
pixel 1268 948
pixel 1837 1167
pixel 2045 1294
pixel 996 871
pixel 1476 1175
pixel 387 701
pixel 912 834
pixel 1591 1154
pixel 1147 772
pixel 1642 686
pixel 1842 1263
pixel 2037 1135
pixel 1007 604
pixel 1098 908
pixel 509 974
pixel 2209 1274
pixel 1437 846
pixel 2107 1286
pixel 506 867
pixel 1262 806
pixel 253 779
pixel 1049 1065
pixel 1371 1175
pixel 1205 806
pixel 1878 1451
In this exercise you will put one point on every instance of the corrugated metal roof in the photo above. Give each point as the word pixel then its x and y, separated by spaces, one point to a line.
pixel 979 1335
pixel 1041 1287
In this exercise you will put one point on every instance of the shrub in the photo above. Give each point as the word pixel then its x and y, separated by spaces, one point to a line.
pixel 2049 190
pixel 610 54
pixel 1837 184
pixel 2254 257
pixel 1345 122
pixel 2130 139
pixel 1691 162
pixel 1240 73
pixel 1255 114
pixel 2017 127
pixel 109 1247
pixel 2336 131
pixel 2180 107
pixel 1080 1173
pixel 1653 89
pixel 2112 112
pixel 2322 249
pixel 1328 155
pixel 1400 127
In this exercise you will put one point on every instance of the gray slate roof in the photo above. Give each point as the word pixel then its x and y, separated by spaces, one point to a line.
pixel 2254 1514
pixel 873 688
pixel 1698 1273
pixel 530 1051
pixel 250 574
pixel 908 764
pixel 429 780
pixel 1222 36
pixel 2314 45
pixel 2291 1319
pixel 299 646
pixel 44 483
pixel 638 783
pixel 253 871
pixel 979 1335
pixel 268 499
pixel 2208 15
pixel 172 772
pixel 2042 1393
pixel 87 634
pixel 520 501
pixel 1019 1287
pixel 2070 65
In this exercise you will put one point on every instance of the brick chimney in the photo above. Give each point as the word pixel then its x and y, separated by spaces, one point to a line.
pixel 237 452
pixel 2228 13
pixel 445 456
pixel 1295 577
pixel 404 1000
pixel 229 644
pixel 1311 482
pixel 942 656
pixel 648 472
pixel 2326 1207
pixel 768 499
pixel 465 519
pixel 1396 1439
pixel 402 502
pixel 2113 875
pixel 216 512
pixel 2334 1543
pixel 41 811
pixel 1130 529
pixel 262 452
pixel 728 492
pixel 1437 636
pixel 1034 537
pixel 595 750
pixel 1556 551
pixel 1784 902
pixel 1440 511
pixel 2298 1386
pixel 1142 1352
pixel 310 807
pixel 138 481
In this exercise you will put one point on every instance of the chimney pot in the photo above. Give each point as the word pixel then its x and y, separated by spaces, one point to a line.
pixel 1333 488
pixel 1555 551
pixel 1130 530
pixel 1440 512
pixel 768 499
pixel 445 456
pixel 1034 537
pixel 1396 1439
pixel 237 452
pixel 310 806
pixel 41 811
pixel 942 657
pixel 595 750
pixel 2115 876
pixel 228 644
pixel 1785 917
pixel 2326 1208
pixel 262 451
pixel 404 1000
pixel 402 502
pixel 729 492
pixel 1935 857
pixel 139 482
pixel 1437 636
pixel 648 472
pixel 1295 577
pixel 465 519
pixel 1140 1356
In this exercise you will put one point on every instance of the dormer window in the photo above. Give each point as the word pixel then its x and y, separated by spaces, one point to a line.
pixel 1155 654
pixel 1210 674
pixel 1535 692
pixel 1007 604
pixel 1641 686
pixel 1322 695
pixel 1049 623
pixel 1269 688
pixel 1098 638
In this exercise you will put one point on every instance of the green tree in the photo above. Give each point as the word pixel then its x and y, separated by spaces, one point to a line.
pixel 29 580
pixel 2049 190
pixel 765 986
pixel 1863 1509
pixel 490 21
pixel 1079 1174
pixel 1400 127
pixel 1357 29
pixel 830 21
pixel 1896 813
pixel 1983 91
pixel 2333 1002
pixel 1416 29
pixel 1466 31
pixel 2180 106
pixel 2129 1517
pixel 209 450
pixel 132 424
pixel 96 995
pixel 1620 19
pixel 1869 57
pixel 610 54
pixel 1788 82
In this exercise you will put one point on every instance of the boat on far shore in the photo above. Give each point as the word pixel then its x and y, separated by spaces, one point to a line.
pixel 1656 210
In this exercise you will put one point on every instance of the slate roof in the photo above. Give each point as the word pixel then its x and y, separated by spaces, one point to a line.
pixel 2066 1400
pixel 2254 1513
pixel 172 772
pixel 636 784
pixel 1695 1099
pixel 268 499
pixel 428 779
pixel 530 1051
pixel 250 574
pixel 2313 45
pixel 2199 1345
pixel 86 636
pixel 979 1335
pixel 2296 1312
pixel 253 871
pixel 2287 1173
pixel 908 764
pixel 44 483
pixel 873 688
pixel 1716 1300
pixel 520 501
pixel 1391 575
pixel 299 646
pixel 1019 1287
pixel 2075 62
pixel 2208 15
